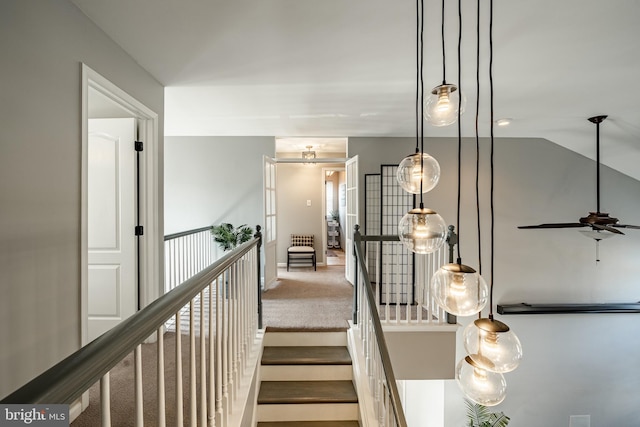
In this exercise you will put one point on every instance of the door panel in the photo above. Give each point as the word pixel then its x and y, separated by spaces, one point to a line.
pixel 351 166
pixel 112 269
pixel 270 232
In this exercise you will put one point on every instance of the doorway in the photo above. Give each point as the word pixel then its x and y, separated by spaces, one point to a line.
pixel 133 280
pixel 335 214
pixel 301 167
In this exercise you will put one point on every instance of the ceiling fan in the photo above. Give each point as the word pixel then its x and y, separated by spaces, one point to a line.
pixel 598 221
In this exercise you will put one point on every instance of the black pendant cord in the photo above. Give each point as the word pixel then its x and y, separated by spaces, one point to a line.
pixel 478 136
pixel 491 167
pixel 598 166
pixel 417 75
pixel 421 30
pixel 444 57
pixel 459 261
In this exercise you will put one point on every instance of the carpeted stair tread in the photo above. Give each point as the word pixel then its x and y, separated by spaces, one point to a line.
pixel 306 355
pixel 309 424
pixel 296 392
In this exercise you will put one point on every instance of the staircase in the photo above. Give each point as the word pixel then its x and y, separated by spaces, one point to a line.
pixel 306 380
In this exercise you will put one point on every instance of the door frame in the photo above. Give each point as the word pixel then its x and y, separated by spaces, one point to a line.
pixel 324 206
pixel 151 281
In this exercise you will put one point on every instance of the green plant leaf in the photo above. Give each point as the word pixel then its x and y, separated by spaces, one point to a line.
pixel 228 237
pixel 480 416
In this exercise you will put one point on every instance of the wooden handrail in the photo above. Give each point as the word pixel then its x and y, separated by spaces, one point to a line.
pixel 67 380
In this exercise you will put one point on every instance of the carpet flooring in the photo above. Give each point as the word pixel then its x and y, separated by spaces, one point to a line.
pixel 308 300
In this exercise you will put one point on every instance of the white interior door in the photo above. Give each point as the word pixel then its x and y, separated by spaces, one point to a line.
pixel 270 235
pixel 351 166
pixel 112 258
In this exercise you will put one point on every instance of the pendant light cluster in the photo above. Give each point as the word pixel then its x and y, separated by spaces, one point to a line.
pixel 421 230
pixel 493 349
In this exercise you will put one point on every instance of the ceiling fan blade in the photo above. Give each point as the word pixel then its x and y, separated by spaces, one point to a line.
pixel 636 227
pixel 606 228
pixel 556 225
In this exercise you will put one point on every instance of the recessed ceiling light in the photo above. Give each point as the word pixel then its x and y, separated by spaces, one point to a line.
pixel 503 122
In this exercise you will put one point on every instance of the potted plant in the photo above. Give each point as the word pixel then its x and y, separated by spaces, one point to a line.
pixel 480 416
pixel 228 237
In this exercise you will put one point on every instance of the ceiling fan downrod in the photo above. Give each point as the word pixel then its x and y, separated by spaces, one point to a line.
pixel 597 120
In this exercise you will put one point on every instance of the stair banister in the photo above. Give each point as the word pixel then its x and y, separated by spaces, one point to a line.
pixel 67 380
pixel 385 360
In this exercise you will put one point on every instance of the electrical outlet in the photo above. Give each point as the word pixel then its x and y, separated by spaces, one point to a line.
pixel 580 421
pixel 308 202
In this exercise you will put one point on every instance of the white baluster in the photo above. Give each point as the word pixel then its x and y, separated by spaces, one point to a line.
pixel 193 402
pixel 212 360
pixel 138 381
pixel 203 365
pixel 161 396
pixel 105 400
pixel 179 395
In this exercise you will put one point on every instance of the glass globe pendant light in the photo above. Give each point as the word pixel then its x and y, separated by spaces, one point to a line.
pixel 445 103
pixel 418 172
pixel 422 230
pixel 480 385
pixel 492 345
pixel 459 289
pixel 442 106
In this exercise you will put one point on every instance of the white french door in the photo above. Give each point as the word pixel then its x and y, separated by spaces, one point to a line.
pixel 112 254
pixel 269 236
pixel 351 166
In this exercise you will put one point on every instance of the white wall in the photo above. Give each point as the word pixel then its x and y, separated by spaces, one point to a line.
pixel 211 180
pixel 573 364
pixel 423 402
pixel 42 45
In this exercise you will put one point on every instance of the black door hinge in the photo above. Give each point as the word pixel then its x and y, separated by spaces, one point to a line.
pixel 139 230
pixel 139 145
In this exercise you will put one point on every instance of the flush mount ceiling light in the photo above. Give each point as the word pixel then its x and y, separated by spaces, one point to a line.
pixel 421 230
pixel 491 345
pixel 443 106
pixel 309 155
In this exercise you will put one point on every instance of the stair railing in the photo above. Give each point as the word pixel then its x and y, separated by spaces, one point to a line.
pixel 223 301
pixel 401 285
pixel 185 254
pixel 382 382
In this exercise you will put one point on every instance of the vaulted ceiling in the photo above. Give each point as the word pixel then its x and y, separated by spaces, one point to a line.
pixel 296 68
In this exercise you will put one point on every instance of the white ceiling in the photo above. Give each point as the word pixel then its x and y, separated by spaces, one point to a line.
pixel 297 68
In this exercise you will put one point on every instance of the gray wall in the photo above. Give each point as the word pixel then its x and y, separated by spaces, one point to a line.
pixel 210 180
pixel 298 183
pixel 42 45
pixel 573 364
